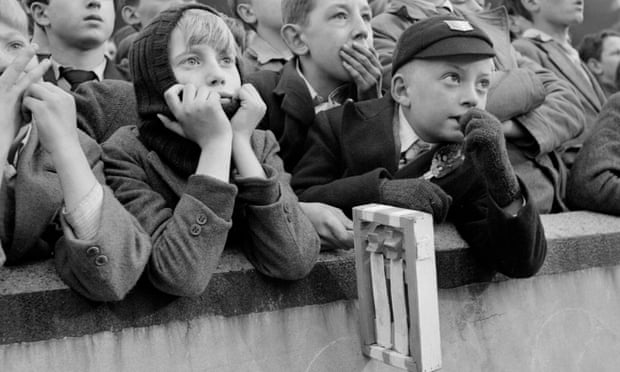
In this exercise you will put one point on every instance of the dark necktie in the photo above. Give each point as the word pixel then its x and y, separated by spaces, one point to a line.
pixel 76 77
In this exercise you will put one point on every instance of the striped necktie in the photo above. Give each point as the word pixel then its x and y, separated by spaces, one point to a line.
pixel 416 149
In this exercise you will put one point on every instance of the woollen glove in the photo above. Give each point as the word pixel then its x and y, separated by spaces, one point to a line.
pixel 485 145
pixel 418 194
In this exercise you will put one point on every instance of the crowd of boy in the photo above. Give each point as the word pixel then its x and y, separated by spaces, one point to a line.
pixel 204 133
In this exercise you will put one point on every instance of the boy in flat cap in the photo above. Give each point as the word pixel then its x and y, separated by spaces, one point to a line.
pixel 430 146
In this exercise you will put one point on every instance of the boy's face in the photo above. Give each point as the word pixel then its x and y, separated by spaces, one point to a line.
pixel 332 24
pixel 11 42
pixel 440 91
pixel 268 13
pixel 147 10
pixel 201 65
pixel 610 58
pixel 81 23
pixel 561 12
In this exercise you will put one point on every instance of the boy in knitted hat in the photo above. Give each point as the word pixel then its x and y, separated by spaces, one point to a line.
pixel 53 198
pixel 195 167
pixel 430 146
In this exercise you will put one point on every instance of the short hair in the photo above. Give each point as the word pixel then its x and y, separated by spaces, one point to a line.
pixel 201 27
pixel 515 7
pixel 591 45
pixel 13 15
pixel 296 11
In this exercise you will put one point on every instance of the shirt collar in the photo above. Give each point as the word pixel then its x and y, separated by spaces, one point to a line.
pixel 406 133
pixel 98 70
pixel 336 98
pixel 23 135
pixel 265 52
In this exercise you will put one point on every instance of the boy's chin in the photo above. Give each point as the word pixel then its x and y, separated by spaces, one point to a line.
pixel 231 106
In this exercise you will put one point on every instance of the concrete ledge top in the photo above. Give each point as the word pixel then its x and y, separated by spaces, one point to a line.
pixel 36 305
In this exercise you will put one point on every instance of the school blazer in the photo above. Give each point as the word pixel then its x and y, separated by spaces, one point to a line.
pixel 290 111
pixel 351 149
pixel 190 219
pixel 104 268
pixel 594 181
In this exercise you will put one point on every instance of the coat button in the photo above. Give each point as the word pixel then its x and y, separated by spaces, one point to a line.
pixel 92 251
pixel 201 219
pixel 101 260
pixel 195 230
pixel 287 209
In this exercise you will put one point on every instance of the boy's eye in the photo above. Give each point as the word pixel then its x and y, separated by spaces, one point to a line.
pixel 191 61
pixel 16 45
pixel 227 60
pixel 367 17
pixel 452 78
pixel 484 84
pixel 341 15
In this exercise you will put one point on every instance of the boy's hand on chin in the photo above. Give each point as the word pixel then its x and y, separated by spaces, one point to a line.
pixel 199 112
pixel 250 112
pixel 53 112
pixel 15 79
pixel 364 67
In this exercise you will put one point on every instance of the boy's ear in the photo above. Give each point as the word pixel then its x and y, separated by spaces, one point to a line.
pixel 595 66
pixel 294 39
pixel 129 15
pixel 399 91
pixel 39 14
pixel 246 13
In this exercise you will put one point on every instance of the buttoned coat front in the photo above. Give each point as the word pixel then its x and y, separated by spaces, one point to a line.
pixel 190 219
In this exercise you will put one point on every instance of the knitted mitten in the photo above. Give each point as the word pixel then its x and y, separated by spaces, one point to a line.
pixel 485 144
pixel 418 194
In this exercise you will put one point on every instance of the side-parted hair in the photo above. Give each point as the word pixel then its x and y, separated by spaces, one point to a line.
pixel 516 7
pixel 201 27
pixel 591 45
pixel 296 11
pixel 13 15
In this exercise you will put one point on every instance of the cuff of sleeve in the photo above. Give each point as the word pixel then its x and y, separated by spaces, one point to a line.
pixel 84 218
pixel 258 191
pixel 217 195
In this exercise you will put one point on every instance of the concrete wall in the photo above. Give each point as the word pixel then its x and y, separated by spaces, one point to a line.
pixel 564 322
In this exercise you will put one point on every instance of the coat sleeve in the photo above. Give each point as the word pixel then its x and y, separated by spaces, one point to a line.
pixel 513 245
pixel 283 242
pixel 107 266
pixel 559 118
pixel 320 176
pixel 594 180
pixel 188 239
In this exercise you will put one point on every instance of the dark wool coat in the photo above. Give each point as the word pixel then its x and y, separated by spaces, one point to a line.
pixel 352 148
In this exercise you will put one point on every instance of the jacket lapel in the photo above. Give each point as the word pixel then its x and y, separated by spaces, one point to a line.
pixel 587 87
pixel 368 136
pixel 296 100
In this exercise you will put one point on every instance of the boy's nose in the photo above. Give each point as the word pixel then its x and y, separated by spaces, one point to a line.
pixel 94 4
pixel 469 97
pixel 360 28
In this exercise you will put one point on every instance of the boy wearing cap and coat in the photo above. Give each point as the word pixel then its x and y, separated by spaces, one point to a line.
pixel 442 70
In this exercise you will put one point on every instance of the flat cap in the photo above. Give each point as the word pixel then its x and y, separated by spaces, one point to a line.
pixel 441 36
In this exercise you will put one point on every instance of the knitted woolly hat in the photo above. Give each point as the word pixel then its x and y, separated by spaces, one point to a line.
pixel 149 61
